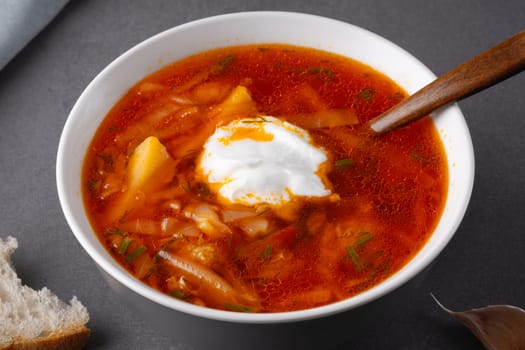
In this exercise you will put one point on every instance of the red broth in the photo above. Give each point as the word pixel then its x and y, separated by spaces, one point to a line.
pixel 391 189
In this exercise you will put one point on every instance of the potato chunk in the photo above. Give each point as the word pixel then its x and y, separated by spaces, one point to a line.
pixel 238 104
pixel 238 96
pixel 147 158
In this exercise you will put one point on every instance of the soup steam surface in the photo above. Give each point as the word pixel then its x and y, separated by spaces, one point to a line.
pixel 195 190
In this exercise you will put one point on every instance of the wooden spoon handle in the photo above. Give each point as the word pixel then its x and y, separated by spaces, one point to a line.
pixel 484 70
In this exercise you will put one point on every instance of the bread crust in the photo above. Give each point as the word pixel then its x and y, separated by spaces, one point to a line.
pixel 70 339
pixel 68 321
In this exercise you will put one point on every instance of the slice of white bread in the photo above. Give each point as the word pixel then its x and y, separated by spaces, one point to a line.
pixel 36 320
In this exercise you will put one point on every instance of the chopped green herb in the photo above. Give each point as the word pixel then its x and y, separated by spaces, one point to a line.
pixel 115 231
pixel 200 189
pixel 418 157
pixel 92 186
pixel 343 164
pixel 240 308
pixel 259 119
pixel 328 72
pixel 383 267
pixel 352 254
pixel 135 254
pixel 178 294
pixel 366 94
pixel 125 245
pixel 150 271
pixel 225 62
pixel 321 70
pixel 123 217
pixel 364 237
pixel 267 253
pixel 106 158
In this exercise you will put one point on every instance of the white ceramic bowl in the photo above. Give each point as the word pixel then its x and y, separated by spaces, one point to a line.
pixel 247 28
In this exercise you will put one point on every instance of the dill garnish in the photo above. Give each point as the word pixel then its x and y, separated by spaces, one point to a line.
pixel 259 119
pixel 135 254
pixel 241 308
pixel 342 164
pixel 354 256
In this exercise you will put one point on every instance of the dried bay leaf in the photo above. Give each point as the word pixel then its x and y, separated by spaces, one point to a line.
pixel 498 327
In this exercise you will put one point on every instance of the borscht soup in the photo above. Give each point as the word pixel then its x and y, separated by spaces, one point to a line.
pixel 245 179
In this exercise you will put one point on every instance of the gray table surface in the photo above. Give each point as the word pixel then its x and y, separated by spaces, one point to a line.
pixel 482 265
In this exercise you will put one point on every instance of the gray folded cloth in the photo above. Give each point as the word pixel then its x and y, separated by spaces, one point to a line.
pixel 20 21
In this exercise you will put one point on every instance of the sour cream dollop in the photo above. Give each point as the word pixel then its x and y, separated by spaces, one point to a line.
pixel 263 160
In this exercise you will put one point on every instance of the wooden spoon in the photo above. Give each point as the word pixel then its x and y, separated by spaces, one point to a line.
pixel 492 66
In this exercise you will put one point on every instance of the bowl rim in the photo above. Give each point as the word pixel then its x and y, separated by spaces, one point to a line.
pixel 387 286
